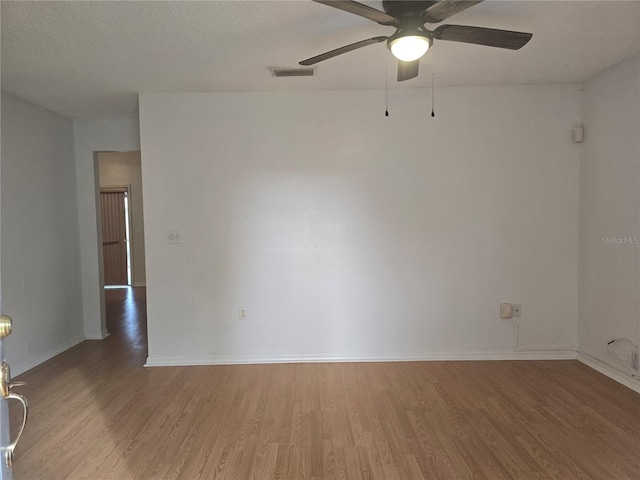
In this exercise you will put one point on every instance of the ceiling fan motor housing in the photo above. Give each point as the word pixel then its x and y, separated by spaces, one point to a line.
pixel 411 22
pixel 401 9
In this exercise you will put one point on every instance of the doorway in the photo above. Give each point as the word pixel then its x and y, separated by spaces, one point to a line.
pixel 120 175
pixel 119 211
pixel 116 235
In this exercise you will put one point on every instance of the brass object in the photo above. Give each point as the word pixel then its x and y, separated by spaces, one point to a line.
pixel 5 326
pixel 7 394
pixel 25 412
pixel 5 380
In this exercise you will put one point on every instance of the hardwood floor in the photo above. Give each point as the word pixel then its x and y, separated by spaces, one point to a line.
pixel 96 413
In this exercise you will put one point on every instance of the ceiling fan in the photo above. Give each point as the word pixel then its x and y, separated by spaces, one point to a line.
pixel 412 39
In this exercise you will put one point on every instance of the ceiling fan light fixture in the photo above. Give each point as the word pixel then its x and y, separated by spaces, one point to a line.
pixel 410 47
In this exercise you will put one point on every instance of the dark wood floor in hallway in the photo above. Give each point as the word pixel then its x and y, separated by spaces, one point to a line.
pixel 96 413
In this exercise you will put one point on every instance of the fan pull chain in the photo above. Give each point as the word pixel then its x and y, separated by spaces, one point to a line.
pixel 386 84
pixel 433 83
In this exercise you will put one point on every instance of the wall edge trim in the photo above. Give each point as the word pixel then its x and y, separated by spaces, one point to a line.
pixel 153 361
pixel 100 336
pixel 26 366
pixel 599 366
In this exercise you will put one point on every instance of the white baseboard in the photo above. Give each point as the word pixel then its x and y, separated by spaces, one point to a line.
pixel 34 362
pixel 99 336
pixel 328 358
pixel 609 371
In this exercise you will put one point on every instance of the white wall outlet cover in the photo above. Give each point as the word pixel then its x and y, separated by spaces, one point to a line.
pixel 242 313
pixel 517 310
pixel 506 310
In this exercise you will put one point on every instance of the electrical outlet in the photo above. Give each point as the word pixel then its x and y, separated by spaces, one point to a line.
pixel 173 236
pixel 242 313
pixel 517 310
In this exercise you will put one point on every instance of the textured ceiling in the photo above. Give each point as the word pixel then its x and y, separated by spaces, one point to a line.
pixel 90 58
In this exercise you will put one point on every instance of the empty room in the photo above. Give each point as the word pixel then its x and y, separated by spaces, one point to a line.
pixel 318 239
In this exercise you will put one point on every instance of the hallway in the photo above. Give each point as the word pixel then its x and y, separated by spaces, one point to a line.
pixel 96 413
pixel 80 398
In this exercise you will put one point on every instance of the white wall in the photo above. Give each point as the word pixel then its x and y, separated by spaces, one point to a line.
pixel 348 235
pixel 610 207
pixel 41 286
pixel 124 169
pixel 121 135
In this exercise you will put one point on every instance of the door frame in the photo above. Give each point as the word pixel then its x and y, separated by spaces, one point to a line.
pixel 5 432
pixel 94 302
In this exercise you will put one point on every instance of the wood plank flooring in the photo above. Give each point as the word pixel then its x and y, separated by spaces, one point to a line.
pixel 96 413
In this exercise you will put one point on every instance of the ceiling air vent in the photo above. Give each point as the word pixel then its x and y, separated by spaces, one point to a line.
pixel 293 72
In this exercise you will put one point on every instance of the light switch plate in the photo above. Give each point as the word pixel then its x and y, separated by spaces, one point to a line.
pixel 517 310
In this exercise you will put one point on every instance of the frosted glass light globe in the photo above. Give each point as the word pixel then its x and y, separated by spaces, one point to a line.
pixel 409 48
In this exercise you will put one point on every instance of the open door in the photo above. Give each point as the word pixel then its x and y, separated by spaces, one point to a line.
pixel 5 470
pixel 6 393
pixel 114 235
